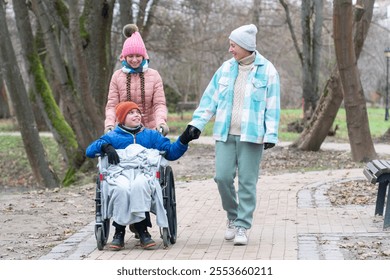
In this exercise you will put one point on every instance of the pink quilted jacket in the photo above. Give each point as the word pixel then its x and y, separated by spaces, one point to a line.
pixel 155 110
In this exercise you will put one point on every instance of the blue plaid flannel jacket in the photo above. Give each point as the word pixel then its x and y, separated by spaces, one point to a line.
pixel 261 111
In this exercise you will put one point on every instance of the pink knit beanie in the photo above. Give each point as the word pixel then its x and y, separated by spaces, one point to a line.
pixel 134 43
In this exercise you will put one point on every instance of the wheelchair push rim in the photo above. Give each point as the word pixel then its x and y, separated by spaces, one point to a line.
pixel 102 226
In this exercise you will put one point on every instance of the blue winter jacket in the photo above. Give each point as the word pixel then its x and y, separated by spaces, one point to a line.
pixel 120 138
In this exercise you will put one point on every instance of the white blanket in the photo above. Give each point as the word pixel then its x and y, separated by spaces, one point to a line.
pixel 131 187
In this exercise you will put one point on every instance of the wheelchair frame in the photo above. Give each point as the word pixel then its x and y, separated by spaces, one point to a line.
pixel 167 183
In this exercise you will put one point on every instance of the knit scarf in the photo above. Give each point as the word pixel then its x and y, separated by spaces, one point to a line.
pixel 132 130
pixel 128 69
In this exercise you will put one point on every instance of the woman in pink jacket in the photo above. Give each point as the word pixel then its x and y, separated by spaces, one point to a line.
pixel 136 82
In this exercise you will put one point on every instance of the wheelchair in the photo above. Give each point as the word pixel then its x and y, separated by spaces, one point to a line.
pixel 164 174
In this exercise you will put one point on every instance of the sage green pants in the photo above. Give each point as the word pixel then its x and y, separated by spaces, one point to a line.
pixel 243 158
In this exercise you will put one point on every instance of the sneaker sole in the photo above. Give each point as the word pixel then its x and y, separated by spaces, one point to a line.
pixel 240 243
pixel 116 248
pixel 148 246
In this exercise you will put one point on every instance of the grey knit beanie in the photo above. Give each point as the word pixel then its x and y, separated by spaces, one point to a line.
pixel 245 37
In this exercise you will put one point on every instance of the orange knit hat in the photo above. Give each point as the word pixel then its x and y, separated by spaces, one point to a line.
pixel 123 108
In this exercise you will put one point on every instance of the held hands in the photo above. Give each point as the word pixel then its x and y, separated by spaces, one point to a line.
pixel 268 145
pixel 112 155
pixel 163 129
pixel 189 134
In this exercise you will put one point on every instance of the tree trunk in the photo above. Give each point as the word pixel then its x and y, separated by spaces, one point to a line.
pixel 150 19
pixel 126 12
pixel 41 90
pixel 310 56
pixel 73 111
pixel 4 107
pixel 292 32
pixel 80 64
pixel 359 134
pixel 319 125
pixel 256 12
pixel 98 21
pixel 24 114
pixel 311 49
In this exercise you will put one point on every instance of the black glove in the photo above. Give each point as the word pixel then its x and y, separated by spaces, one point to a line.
pixel 189 134
pixel 112 155
pixel 268 145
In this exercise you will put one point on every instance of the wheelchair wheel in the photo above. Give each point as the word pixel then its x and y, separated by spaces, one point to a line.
pixel 171 204
pixel 99 238
pixel 102 232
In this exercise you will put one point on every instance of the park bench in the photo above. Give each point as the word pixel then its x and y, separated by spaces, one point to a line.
pixel 185 106
pixel 378 171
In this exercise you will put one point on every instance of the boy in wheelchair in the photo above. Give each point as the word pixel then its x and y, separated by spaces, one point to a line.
pixel 130 131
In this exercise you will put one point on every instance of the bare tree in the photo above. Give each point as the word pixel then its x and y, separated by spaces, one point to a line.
pixel 310 55
pixel 256 12
pixel 24 114
pixel 312 19
pixel 359 134
pixel 41 90
pixel 96 38
pixel 73 85
pixel 73 111
pixel 141 12
pixel 292 31
pixel 82 85
pixel 319 125
pixel 126 14
pixel 192 41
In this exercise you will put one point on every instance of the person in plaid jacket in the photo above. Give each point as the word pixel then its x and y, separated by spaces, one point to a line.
pixel 244 97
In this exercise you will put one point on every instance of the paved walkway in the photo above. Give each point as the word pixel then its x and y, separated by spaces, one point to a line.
pixel 294 220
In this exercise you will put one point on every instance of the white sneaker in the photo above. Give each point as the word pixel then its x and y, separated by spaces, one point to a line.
pixel 230 232
pixel 240 238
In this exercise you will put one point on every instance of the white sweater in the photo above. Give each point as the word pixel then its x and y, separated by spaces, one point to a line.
pixel 244 67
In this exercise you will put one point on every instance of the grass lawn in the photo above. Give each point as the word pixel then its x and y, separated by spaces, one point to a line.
pixel 376 116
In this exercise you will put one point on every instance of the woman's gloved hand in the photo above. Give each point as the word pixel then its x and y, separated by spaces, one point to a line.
pixel 163 129
pixel 268 145
pixel 189 134
pixel 111 153
pixel 108 129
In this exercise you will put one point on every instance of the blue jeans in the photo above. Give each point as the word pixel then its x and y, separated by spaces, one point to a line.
pixel 243 158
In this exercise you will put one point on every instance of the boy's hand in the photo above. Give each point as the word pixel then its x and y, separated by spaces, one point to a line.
pixel 194 132
pixel 112 155
pixel 189 134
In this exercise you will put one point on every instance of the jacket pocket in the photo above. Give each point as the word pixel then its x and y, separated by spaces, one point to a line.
pixel 223 85
pixel 259 92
